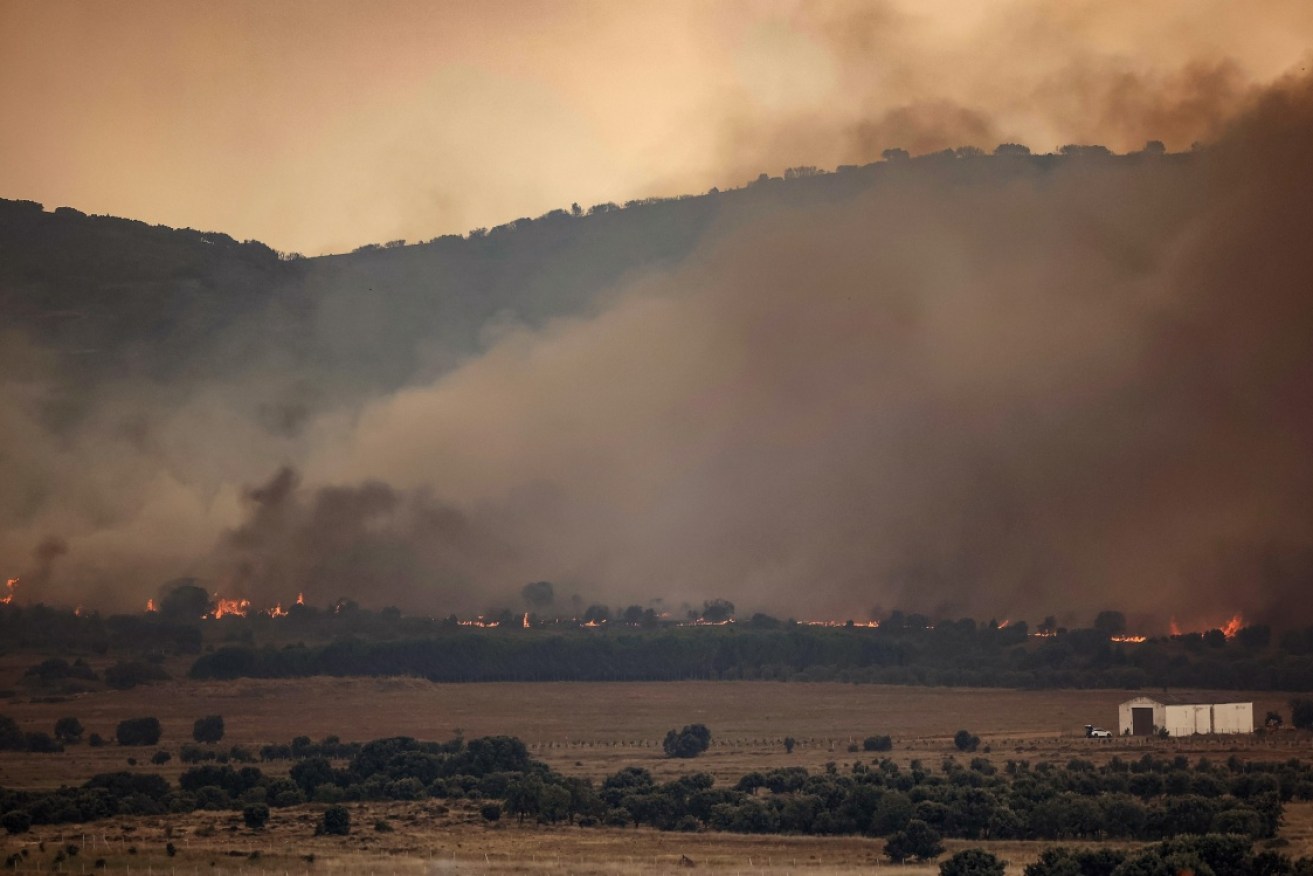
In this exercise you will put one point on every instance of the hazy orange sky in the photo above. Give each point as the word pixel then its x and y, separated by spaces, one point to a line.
pixel 320 126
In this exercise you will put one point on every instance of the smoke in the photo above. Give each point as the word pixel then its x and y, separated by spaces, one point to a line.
pixel 994 387
pixel 1009 392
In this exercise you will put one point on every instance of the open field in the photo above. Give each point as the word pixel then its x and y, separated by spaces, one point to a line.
pixel 579 729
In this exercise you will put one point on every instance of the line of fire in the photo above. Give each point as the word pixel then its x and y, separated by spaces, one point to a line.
pixel 240 607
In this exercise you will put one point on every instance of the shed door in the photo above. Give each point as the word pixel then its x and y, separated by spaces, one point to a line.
pixel 1142 720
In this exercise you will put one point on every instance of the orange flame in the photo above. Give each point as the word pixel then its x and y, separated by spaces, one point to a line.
pixel 1132 640
pixel 77 612
pixel 12 584
pixel 1003 623
pixel 479 622
pixel 525 623
pixel 1174 627
pixel 300 599
pixel 1228 629
pixel 150 605
pixel 223 606
pixel 276 611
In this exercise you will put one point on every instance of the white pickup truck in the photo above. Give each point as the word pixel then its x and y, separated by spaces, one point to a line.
pixel 1092 732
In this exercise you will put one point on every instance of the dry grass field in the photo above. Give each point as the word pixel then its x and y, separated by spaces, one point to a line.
pixel 584 729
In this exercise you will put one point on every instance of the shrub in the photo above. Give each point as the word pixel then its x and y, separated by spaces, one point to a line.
pixel 789 742
pixel 95 740
pixel 965 740
pixel 42 743
pixel 138 731
pixel 16 821
pixel 208 729
pixel 877 743
pixel 972 862
pixel 918 840
pixel 689 742
pixel 256 815
pixel 490 811
pixel 1301 713
pixel 161 757
pixel 336 821
pixel 11 737
pixel 123 676
pixel 69 730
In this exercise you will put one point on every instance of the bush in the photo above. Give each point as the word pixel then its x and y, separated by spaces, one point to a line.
pixel 972 862
pixel 138 731
pixel 95 740
pixel 789 742
pixel 490 811
pixel 877 743
pixel 69 731
pixel 256 815
pixel 336 821
pixel 918 840
pixel 1301 713
pixel 11 737
pixel 208 729
pixel 965 740
pixel 42 743
pixel 689 742
pixel 16 821
pixel 123 676
pixel 161 757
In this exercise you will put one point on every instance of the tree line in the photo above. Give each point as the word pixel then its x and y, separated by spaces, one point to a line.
pixel 912 807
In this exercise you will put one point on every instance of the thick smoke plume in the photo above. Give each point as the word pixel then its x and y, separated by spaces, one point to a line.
pixel 983 386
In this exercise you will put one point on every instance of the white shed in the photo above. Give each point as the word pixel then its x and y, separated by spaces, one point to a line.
pixel 1233 718
pixel 1143 716
pixel 1187 719
pixel 1140 717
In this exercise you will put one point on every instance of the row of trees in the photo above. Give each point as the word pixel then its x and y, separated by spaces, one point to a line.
pixel 69 731
pixel 913 808
pixel 956 653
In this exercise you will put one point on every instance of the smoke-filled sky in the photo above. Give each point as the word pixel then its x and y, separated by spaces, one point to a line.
pixel 320 126
pixel 996 387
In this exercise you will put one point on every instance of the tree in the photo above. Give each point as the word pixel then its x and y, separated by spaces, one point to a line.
pixel 185 600
pixel 256 815
pixel 1110 623
pixel 789 742
pixel 336 821
pixel 524 797
pixel 965 740
pixel 138 731
pixel 1301 713
pixel 538 596
pixel 717 611
pixel 918 840
pixel 894 154
pixel 11 737
pixel 69 730
pixel 16 821
pixel 208 729
pixel 972 862
pixel 689 742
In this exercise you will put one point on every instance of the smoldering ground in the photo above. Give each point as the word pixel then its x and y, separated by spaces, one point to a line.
pixel 984 386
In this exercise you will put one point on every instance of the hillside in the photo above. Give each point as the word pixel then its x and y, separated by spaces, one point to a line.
pixel 1002 385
